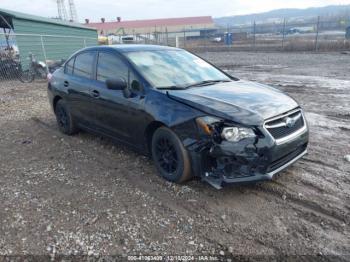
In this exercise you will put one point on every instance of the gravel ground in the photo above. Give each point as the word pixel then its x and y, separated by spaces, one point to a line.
pixel 84 195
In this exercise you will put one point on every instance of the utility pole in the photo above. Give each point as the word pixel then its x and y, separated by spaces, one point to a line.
pixel 72 11
pixel 62 12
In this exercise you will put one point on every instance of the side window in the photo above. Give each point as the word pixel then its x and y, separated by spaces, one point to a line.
pixel 69 66
pixel 83 64
pixel 110 66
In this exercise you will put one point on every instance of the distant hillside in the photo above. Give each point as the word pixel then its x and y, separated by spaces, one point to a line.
pixel 291 14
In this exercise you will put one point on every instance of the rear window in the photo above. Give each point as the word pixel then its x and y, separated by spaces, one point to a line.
pixel 83 64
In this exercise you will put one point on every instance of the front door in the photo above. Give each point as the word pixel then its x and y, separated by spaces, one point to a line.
pixel 115 115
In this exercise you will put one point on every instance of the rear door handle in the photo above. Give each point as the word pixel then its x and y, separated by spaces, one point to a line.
pixel 95 93
pixel 66 83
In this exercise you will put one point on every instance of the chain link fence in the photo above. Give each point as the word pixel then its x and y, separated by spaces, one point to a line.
pixel 9 57
pixel 23 54
pixel 319 34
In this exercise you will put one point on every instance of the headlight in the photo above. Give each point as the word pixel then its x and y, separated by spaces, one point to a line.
pixel 216 126
pixel 206 124
pixel 235 134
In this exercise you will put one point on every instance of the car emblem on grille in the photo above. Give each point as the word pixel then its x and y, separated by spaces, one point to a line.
pixel 289 122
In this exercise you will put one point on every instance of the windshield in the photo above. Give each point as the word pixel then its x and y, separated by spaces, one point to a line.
pixel 174 68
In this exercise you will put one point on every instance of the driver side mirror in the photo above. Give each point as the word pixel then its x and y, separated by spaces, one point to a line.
pixel 116 84
pixel 136 87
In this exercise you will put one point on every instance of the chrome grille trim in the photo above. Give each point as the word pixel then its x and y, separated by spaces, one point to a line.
pixel 283 124
pixel 291 136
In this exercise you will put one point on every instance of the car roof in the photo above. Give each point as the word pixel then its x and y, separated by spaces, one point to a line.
pixel 132 48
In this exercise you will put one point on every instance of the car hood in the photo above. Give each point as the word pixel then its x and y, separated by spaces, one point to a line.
pixel 243 102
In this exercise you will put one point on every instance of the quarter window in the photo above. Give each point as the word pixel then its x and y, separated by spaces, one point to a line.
pixel 69 66
pixel 110 66
pixel 83 64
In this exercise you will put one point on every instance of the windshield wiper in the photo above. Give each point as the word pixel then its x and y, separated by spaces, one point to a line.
pixel 207 82
pixel 201 83
pixel 171 87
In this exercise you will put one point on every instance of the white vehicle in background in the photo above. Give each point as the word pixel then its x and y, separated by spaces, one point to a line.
pixel 129 39
pixel 217 39
pixel 301 30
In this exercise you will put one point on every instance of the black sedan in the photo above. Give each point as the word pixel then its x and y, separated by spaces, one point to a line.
pixel 194 119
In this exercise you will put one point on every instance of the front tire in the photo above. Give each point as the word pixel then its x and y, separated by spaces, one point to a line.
pixel 170 156
pixel 26 76
pixel 65 121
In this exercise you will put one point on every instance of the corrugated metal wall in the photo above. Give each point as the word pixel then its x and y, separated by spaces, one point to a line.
pixel 38 27
pixel 50 41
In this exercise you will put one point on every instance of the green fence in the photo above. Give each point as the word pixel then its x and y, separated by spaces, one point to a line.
pixel 16 49
pixel 50 47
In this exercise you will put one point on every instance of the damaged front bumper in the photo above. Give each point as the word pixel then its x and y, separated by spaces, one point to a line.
pixel 218 180
pixel 249 160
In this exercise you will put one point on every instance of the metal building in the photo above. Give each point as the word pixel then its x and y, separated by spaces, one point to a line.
pixel 157 31
pixel 48 39
pixel 170 25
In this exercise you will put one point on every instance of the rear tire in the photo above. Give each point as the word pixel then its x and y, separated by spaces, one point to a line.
pixel 170 156
pixel 42 73
pixel 65 121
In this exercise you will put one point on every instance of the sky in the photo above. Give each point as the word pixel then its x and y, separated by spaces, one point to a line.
pixel 148 9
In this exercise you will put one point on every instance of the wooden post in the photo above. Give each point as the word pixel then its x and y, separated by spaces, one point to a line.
pixel 184 38
pixel 166 35
pixel 317 31
pixel 254 32
pixel 284 33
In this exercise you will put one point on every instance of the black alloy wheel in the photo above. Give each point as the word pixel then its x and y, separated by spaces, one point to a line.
pixel 64 119
pixel 166 155
pixel 170 156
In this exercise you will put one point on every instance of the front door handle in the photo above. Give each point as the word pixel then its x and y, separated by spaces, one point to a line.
pixel 95 93
pixel 66 83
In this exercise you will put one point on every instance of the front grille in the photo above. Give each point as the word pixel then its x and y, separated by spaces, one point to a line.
pixel 285 159
pixel 279 128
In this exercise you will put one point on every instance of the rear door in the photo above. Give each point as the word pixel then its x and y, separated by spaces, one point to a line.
pixel 79 73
